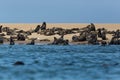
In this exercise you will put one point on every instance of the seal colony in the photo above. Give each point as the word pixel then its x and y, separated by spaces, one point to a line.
pixel 89 34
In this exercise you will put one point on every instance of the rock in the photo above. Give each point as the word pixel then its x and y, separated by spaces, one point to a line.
pixel 19 63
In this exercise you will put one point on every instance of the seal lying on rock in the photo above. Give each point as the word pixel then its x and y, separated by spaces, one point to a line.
pixel 37 28
pixel 12 41
pixel 32 42
pixel 103 43
pixel 1 29
pixel 92 38
pixel 60 41
pixel 115 39
pixel 1 40
pixel 43 27
pixel 102 33
pixel 20 37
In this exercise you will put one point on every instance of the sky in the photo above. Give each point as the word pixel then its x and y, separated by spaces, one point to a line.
pixel 60 11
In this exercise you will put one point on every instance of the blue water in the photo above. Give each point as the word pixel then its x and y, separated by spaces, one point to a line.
pixel 73 62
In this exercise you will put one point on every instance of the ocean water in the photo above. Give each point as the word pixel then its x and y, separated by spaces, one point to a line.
pixel 49 62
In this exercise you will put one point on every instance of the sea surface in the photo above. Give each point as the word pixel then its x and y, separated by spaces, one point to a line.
pixel 50 62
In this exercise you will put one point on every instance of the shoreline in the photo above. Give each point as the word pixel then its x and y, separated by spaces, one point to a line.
pixel 67 26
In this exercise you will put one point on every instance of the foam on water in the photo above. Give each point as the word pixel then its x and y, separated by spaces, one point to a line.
pixel 73 62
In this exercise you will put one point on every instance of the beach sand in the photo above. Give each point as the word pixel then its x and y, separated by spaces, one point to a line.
pixel 32 26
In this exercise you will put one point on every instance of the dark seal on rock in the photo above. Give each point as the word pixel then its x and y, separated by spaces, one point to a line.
pixel 32 42
pixel 12 41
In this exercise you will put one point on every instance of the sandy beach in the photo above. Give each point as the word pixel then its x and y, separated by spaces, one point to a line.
pixel 32 26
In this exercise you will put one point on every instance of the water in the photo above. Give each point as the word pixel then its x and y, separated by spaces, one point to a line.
pixel 73 62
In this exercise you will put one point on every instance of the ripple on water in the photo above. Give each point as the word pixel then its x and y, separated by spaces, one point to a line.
pixel 73 62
